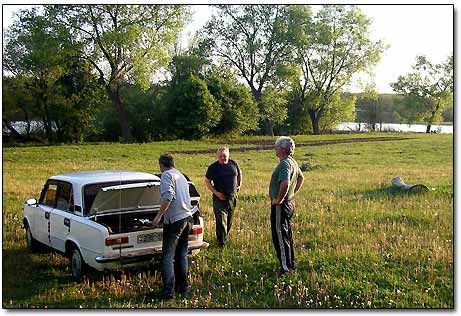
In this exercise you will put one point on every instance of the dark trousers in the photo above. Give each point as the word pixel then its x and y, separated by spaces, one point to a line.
pixel 174 262
pixel 224 212
pixel 282 236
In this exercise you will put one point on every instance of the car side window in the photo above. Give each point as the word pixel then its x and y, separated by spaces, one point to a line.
pixel 50 195
pixel 64 197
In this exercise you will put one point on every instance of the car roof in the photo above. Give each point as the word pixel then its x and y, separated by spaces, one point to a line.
pixel 82 178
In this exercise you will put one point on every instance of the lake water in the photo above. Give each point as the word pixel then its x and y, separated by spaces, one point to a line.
pixel 418 128
pixel 350 127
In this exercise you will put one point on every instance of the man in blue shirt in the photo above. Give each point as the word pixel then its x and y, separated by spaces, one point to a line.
pixel 177 223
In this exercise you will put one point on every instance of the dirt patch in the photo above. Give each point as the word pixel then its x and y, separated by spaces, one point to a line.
pixel 269 144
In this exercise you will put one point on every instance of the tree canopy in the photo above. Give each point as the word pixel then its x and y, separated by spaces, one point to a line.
pixel 335 46
pixel 256 41
pixel 428 89
pixel 122 42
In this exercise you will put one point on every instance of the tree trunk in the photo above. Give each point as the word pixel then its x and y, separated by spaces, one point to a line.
pixel 47 122
pixel 431 120
pixel 43 101
pixel 267 128
pixel 315 122
pixel 114 95
pixel 266 125
pixel 428 128
pixel 27 119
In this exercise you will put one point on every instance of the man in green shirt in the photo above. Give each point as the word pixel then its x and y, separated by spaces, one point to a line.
pixel 286 181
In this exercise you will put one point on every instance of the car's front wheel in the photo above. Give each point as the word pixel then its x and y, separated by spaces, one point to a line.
pixel 32 244
pixel 77 265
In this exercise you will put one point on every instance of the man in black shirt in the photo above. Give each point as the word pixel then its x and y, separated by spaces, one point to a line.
pixel 224 179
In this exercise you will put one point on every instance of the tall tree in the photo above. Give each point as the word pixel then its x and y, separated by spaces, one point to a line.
pixel 123 43
pixel 428 89
pixel 255 40
pixel 335 46
pixel 35 50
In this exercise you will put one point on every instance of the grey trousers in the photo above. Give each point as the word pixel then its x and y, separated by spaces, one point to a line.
pixel 224 212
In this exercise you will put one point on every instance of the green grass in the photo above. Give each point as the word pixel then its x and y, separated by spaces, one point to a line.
pixel 358 242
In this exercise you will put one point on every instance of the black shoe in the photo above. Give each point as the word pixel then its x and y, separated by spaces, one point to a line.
pixel 183 292
pixel 168 297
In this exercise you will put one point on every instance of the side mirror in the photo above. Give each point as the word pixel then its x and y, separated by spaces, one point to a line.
pixel 31 202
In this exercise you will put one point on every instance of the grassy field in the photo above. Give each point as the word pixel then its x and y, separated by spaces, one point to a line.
pixel 358 243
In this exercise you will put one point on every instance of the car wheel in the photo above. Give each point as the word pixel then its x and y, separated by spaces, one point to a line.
pixel 77 265
pixel 32 244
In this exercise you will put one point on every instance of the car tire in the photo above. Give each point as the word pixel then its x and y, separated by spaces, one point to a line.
pixel 78 266
pixel 32 243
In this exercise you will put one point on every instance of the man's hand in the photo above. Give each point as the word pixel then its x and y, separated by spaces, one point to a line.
pixel 210 187
pixel 157 219
pixel 163 208
pixel 220 196
pixel 275 201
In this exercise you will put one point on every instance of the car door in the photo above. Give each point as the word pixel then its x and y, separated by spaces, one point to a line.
pixel 61 216
pixel 46 203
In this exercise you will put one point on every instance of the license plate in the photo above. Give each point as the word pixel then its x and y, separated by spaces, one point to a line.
pixel 152 237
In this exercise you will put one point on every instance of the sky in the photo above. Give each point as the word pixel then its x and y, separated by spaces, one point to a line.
pixel 409 30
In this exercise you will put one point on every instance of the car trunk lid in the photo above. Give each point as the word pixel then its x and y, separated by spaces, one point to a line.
pixel 126 197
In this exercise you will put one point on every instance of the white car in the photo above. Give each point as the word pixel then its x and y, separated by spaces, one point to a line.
pixel 103 219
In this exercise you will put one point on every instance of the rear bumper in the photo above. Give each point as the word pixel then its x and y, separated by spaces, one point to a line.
pixel 141 255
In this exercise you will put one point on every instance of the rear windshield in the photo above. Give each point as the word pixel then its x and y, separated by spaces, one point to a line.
pixel 90 191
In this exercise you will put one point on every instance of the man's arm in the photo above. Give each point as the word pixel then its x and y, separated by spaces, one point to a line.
pixel 282 191
pixel 239 178
pixel 167 195
pixel 299 182
pixel 163 208
pixel 213 190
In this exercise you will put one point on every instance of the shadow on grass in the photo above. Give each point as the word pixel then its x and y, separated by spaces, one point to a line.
pixel 27 275
pixel 390 192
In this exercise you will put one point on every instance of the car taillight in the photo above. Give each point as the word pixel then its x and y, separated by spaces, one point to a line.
pixel 116 241
pixel 197 230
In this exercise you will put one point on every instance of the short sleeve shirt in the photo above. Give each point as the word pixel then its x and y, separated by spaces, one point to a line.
pixel 287 169
pixel 224 177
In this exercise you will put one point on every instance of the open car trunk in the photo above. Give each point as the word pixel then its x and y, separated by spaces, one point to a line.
pixel 131 207
pixel 128 222
pixel 127 207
